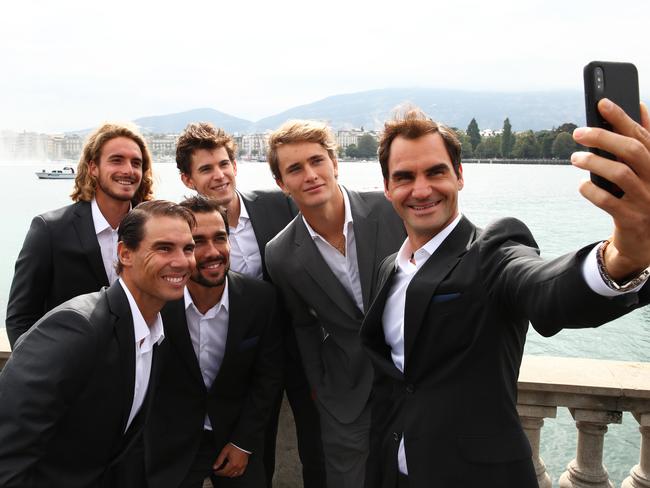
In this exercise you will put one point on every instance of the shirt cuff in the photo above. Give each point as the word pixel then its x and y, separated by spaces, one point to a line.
pixel 595 280
pixel 242 450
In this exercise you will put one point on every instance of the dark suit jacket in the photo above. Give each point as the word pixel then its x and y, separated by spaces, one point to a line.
pixel 467 313
pixel 66 394
pixel 239 401
pixel 325 318
pixel 59 260
pixel 270 211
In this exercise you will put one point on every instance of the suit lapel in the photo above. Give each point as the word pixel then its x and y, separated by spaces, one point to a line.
pixel 372 331
pixel 85 229
pixel 312 261
pixel 427 279
pixel 119 306
pixel 365 236
pixel 178 335
pixel 239 313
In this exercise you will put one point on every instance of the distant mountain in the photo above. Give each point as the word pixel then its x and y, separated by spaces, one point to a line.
pixel 369 109
pixel 526 110
pixel 175 123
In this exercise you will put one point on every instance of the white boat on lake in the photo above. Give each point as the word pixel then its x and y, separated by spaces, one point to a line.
pixel 67 173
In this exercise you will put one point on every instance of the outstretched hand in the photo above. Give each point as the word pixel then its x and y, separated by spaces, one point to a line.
pixel 629 250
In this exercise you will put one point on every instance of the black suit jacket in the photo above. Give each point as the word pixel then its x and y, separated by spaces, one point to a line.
pixel 239 401
pixel 326 319
pixel 60 259
pixel 270 211
pixel 66 394
pixel 465 322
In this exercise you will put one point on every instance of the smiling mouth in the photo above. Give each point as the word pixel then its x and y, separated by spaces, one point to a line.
pixel 314 188
pixel 124 181
pixel 424 206
pixel 175 280
pixel 212 265
pixel 219 187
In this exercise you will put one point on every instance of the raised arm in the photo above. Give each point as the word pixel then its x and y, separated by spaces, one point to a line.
pixel 628 253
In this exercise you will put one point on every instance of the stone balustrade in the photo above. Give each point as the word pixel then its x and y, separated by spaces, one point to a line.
pixel 596 392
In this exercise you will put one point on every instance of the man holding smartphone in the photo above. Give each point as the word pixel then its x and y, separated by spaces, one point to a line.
pixel 446 331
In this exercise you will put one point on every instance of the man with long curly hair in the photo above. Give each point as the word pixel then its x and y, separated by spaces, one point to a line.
pixel 72 250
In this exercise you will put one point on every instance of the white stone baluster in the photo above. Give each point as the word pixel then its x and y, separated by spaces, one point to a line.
pixel 587 470
pixel 640 474
pixel 532 419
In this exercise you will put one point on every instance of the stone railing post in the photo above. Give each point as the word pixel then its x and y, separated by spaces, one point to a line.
pixel 587 470
pixel 532 419
pixel 640 474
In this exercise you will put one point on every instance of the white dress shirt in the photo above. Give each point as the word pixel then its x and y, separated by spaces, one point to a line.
pixel 208 333
pixel 245 257
pixel 393 315
pixel 145 338
pixel 107 238
pixel 345 268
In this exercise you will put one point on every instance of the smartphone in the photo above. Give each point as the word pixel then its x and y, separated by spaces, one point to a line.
pixel 618 82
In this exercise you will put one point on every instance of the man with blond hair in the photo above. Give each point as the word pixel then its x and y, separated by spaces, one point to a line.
pixel 205 156
pixel 72 250
pixel 325 265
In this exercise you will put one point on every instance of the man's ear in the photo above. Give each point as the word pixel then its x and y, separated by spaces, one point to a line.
pixel 124 255
pixel 278 182
pixel 187 181
pixel 92 168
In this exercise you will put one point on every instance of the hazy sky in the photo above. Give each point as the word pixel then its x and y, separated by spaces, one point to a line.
pixel 71 64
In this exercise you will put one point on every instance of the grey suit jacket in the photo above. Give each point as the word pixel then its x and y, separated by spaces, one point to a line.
pixel 325 318
pixel 66 394
pixel 60 259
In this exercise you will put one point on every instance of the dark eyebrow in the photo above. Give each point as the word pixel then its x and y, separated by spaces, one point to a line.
pixel 437 167
pixel 401 174
pixel 225 161
pixel 314 157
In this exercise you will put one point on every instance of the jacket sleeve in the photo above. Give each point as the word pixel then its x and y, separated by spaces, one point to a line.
pixel 32 277
pixel 43 377
pixel 551 294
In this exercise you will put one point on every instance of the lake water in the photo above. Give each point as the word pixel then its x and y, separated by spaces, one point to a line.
pixel 545 197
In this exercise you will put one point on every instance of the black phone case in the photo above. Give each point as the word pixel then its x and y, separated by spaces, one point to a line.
pixel 621 86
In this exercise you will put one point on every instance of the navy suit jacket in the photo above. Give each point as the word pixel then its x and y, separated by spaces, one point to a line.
pixel 466 316
pixel 66 395
pixel 239 400
pixel 60 259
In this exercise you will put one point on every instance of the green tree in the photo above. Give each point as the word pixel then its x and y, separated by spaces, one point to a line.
pixel 466 150
pixel 489 147
pixel 545 140
pixel 340 152
pixel 474 133
pixel 507 139
pixel 351 151
pixel 567 127
pixel 563 146
pixel 526 146
pixel 367 146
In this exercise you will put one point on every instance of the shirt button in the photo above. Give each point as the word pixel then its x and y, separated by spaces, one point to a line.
pixel 410 389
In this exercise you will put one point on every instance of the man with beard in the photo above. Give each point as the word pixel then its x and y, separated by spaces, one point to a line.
pixel 72 250
pixel 205 157
pixel 221 370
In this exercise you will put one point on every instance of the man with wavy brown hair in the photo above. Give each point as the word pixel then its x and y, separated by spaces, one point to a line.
pixel 72 250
